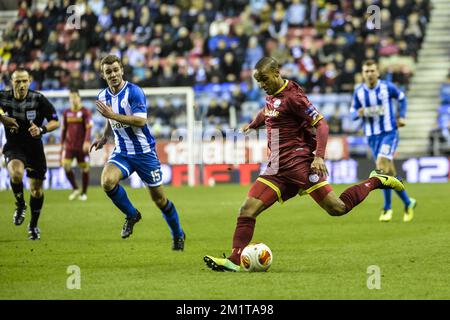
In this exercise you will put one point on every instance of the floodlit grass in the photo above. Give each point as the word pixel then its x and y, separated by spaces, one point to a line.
pixel 316 256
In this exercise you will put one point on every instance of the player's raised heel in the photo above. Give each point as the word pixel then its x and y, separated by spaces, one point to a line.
pixel 19 214
pixel 409 211
pixel 387 181
pixel 127 228
pixel 220 264
pixel 386 215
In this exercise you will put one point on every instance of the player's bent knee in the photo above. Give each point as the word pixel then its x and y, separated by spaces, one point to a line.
pixel 160 202
pixel 249 210
pixel 16 176
pixel 385 166
pixel 336 210
pixel 109 183
pixel 37 193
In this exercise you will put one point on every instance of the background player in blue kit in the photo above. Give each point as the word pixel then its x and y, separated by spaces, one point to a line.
pixel 372 101
pixel 124 105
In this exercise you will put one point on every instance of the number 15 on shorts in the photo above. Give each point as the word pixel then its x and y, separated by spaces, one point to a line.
pixel 156 175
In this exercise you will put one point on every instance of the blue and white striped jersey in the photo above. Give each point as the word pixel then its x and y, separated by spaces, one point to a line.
pixel 130 100
pixel 379 113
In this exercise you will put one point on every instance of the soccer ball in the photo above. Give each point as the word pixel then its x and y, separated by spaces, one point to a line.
pixel 256 257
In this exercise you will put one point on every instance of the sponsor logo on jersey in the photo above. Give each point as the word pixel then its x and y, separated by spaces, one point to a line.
pixel 271 113
pixel 372 111
pixel 118 125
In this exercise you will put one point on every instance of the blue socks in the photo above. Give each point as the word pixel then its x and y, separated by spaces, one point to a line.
pixel 388 198
pixel 171 215
pixel 119 197
pixel 387 193
pixel 404 196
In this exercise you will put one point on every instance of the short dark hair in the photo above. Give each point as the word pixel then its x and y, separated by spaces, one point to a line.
pixel 267 62
pixel 74 90
pixel 369 63
pixel 110 59
pixel 20 69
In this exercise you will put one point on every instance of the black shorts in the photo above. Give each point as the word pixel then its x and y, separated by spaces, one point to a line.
pixel 32 156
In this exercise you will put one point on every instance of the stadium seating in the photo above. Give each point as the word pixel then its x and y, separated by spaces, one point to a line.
pixel 332 33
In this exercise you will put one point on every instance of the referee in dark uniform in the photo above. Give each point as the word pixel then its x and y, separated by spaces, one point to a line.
pixel 22 113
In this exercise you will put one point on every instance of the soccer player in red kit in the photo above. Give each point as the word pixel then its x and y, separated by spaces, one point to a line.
pixel 75 139
pixel 297 137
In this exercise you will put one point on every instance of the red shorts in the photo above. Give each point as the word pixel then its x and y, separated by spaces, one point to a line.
pixel 288 183
pixel 81 156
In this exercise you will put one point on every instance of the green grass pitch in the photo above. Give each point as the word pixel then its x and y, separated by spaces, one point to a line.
pixel 316 256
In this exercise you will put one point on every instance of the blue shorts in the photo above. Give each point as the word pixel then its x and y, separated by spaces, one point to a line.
pixel 384 144
pixel 146 165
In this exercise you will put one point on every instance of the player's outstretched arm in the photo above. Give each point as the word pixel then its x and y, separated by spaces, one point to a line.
pixel 108 113
pixel 256 123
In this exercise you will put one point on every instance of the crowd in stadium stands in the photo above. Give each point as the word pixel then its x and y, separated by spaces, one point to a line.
pixel 440 137
pixel 213 45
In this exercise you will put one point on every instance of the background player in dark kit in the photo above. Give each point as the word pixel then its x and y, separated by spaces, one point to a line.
pixel 25 112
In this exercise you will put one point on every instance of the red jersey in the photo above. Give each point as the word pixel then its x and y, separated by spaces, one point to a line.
pixel 289 118
pixel 76 128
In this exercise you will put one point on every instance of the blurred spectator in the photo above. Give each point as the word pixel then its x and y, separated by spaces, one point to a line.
pixel 230 67
pixel 185 76
pixel 335 123
pixel 183 43
pixel 296 13
pixel 143 31
pixel 345 81
pixel 195 43
pixel 167 77
pixel 77 47
pixel 52 48
pixel 92 81
pixel 39 36
pixel 253 54
pixel 135 55
pixel 445 91
pixel 97 6
pixel 76 82
pixel 105 18
pixel 149 80
pixel 201 26
pixel 279 27
pixel 53 75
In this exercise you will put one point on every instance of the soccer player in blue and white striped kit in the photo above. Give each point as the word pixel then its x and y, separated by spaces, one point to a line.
pixel 372 101
pixel 124 105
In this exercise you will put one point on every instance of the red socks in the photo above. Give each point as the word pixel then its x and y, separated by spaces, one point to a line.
pixel 85 181
pixel 357 193
pixel 71 177
pixel 242 237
